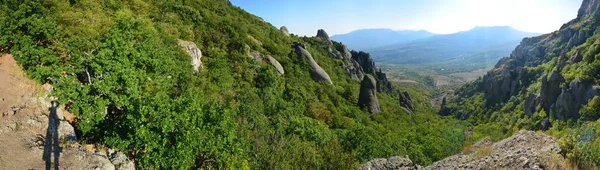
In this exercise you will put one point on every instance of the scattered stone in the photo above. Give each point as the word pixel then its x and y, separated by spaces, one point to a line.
pixel 89 148
pixel 395 163
pixel 121 161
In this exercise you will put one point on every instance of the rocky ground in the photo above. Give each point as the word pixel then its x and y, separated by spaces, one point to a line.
pixel 524 150
pixel 36 135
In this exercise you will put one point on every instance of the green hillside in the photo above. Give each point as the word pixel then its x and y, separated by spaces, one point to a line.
pixel 118 67
pixel 548 83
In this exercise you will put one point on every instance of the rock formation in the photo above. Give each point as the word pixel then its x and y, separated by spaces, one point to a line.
pixel 284 30
pixel 550 89
pixel 276 64
pixel 194 52
pixel 530 104
pixel 368 66
pixel 323 35
pixel 316 72
pixel 259 57
pixel 571 99
pixel 523 150
pixel 406 101
pixel 368 95
pixel 443 109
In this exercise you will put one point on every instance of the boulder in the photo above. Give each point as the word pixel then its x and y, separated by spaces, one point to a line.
pixel 406 101
pixel 316 72
pixel 194 52
pixel 284 30
pixel 276 64
pixel 368 95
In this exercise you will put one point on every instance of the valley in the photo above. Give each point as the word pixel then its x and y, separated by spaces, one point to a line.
pixel 233 84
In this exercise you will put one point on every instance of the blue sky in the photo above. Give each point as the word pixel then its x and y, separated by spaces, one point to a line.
pixel 304 17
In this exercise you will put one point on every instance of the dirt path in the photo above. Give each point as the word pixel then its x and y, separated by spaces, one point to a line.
pixel 29 137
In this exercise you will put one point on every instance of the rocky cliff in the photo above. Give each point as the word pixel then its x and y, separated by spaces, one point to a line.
pixel 543 70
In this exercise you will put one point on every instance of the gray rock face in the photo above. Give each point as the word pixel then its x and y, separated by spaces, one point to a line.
pixel 443 109
pixel 351 67
pixel 576 57
pixel 261 57
pixel 121 161
pixel 396 163
pixel 194 52
pixel 322 34
pixel 523 150
pixel 572 97
pixel 276 64
pixel 368 95
pixel 550 89
pixel 406 101
pixel 530 104
pixel 284 30
pixel 316 72
pixel 589 8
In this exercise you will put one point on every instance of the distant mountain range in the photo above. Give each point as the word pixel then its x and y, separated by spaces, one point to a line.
pixel 370 38
pixel 494 42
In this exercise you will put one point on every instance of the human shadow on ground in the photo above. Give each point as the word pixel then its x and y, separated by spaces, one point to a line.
pixel 51 140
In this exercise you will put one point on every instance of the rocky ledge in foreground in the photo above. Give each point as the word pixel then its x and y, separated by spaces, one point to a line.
pixel 523 150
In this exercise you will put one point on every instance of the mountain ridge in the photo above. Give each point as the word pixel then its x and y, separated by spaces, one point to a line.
pixel 364 39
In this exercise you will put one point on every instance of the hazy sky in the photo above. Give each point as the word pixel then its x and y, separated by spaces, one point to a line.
pixel 304 17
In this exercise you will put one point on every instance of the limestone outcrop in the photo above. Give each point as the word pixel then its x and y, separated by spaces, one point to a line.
pixel 368 95
pixel 316 72
pixel 194 52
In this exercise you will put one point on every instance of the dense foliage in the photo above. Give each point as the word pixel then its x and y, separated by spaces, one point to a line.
pixel 578 136
pixel 116 65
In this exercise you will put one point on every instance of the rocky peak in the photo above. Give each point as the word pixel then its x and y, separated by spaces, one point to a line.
pixel 589 8
pixel 322 34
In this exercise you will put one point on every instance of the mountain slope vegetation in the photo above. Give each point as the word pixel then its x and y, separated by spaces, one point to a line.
pixel 118 68
pixel 549 82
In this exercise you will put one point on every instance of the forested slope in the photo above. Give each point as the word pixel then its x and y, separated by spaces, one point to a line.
pixel 549 82
pixel 119 68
